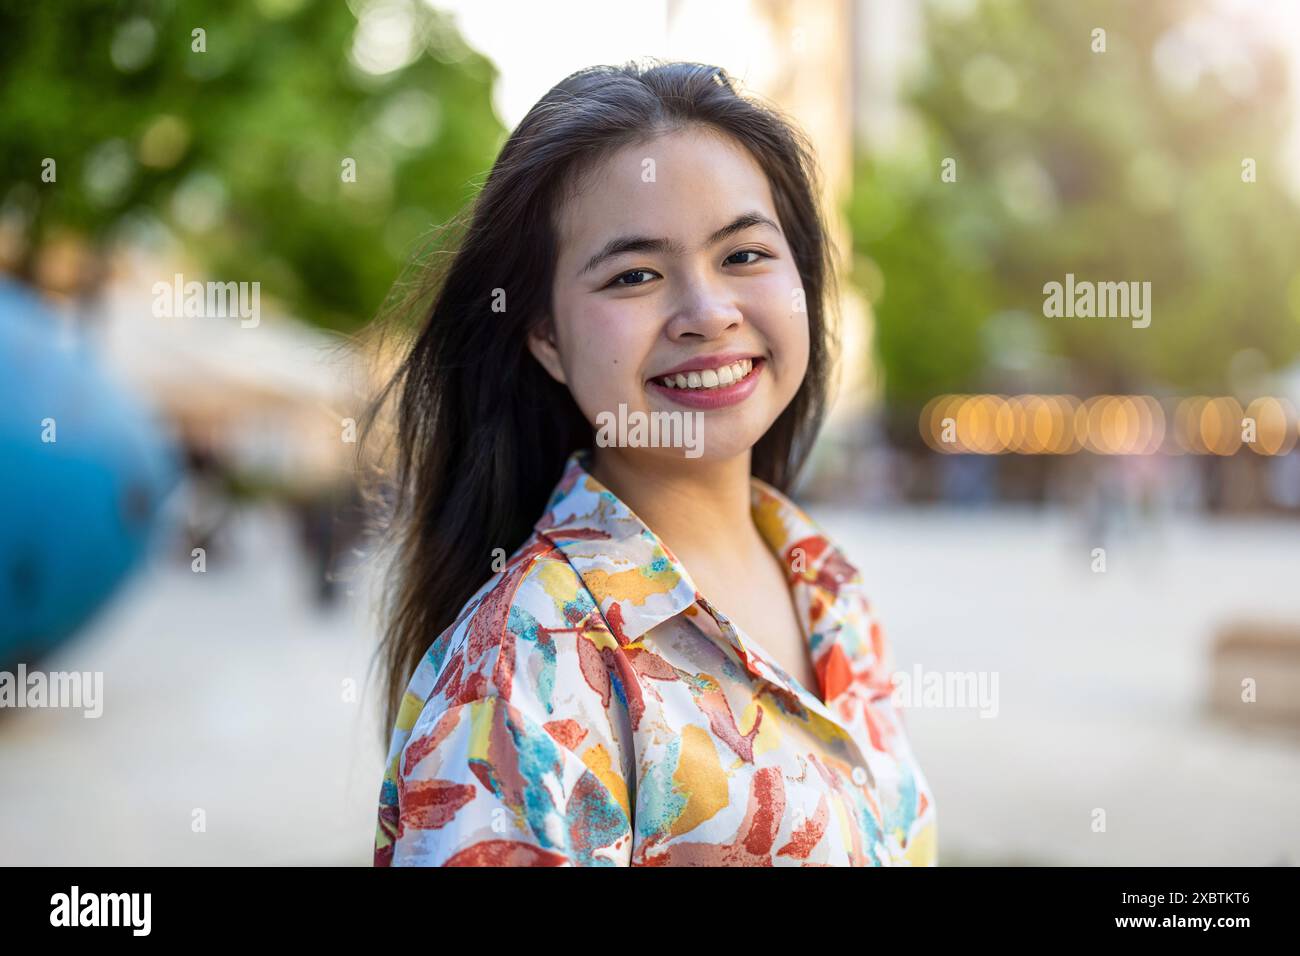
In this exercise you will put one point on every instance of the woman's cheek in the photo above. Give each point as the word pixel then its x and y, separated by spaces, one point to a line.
pixel 782 319
pixel 605 362
pixel 781 290
pixel 622 337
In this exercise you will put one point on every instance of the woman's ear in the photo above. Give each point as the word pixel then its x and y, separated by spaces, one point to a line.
pixel 541 342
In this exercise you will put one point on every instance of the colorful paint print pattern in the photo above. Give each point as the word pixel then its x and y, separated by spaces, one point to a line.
pixel 590 708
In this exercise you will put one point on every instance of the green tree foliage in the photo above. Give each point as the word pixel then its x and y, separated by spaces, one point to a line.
pixel 239 148
pixel 1117 165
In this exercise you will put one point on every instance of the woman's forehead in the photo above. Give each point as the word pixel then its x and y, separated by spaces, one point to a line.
pixel 674 185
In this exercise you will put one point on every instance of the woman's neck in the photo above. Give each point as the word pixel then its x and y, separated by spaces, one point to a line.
pixel 698 508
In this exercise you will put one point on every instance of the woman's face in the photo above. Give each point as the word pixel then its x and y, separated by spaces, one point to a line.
pixel 672 263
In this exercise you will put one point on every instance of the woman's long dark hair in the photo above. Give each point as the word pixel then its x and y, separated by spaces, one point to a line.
pixel 482 432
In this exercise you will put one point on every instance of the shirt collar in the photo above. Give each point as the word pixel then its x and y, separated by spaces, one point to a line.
pixel 638 583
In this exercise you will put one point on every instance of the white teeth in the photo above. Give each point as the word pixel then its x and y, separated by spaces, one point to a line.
pixel 709 377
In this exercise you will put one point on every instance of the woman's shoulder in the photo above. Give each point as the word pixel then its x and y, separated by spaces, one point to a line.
pixel 501 644
pixel 501 708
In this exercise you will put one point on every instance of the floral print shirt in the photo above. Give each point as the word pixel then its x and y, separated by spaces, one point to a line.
pixel 590 708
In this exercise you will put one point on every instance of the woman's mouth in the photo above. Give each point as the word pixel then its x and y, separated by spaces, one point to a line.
pixel 709 377
pixel 712 387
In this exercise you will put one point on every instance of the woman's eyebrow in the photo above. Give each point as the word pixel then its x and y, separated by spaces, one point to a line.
pixel 623 244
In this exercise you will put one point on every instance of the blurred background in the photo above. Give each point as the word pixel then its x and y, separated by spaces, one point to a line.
pixel 1099 516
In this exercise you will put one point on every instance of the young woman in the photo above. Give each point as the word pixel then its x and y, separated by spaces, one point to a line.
pixel 607 649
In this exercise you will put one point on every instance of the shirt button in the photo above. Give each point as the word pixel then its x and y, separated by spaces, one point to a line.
pixel 860 776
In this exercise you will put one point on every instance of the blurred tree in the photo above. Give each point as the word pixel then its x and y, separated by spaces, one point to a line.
pixel 306 144
pixel 1122 165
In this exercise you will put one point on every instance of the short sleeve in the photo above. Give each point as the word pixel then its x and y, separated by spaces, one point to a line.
pixel 482 784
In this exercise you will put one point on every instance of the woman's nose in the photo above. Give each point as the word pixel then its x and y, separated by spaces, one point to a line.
pixel 705 310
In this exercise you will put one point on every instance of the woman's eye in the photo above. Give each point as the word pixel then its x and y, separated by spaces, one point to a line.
pixel 634 281
pixel 642 276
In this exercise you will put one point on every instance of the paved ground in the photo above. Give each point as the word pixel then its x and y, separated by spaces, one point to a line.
pixel 225 692
pixel 1103 680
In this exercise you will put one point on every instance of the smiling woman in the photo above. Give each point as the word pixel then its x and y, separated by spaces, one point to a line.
pixel 715 287
pixel 588 700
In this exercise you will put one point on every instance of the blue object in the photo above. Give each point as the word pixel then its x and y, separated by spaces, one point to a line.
pixel 85 470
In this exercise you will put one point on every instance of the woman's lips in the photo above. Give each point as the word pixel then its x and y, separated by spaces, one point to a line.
pixel 719 396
